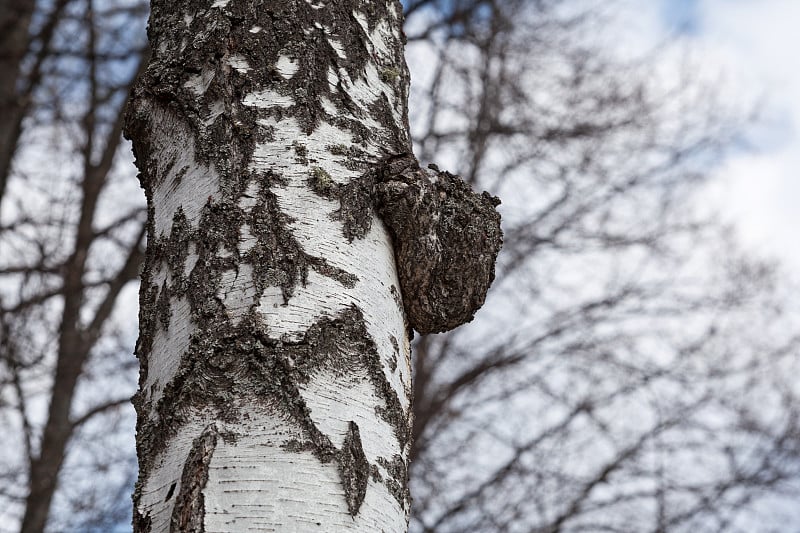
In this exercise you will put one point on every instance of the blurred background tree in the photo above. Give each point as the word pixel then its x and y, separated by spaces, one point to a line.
pixel 71 237
pixel 632 369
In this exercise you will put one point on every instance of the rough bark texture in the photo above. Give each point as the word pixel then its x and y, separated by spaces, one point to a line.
pixel 189 510
pixel 446 241
pixel 269 308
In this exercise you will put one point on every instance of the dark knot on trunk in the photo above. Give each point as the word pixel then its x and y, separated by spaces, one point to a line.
pixel 446 241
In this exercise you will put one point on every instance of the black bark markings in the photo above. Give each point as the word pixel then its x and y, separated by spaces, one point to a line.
pixel 170 492
pixel 141 522
pixel 183 53
pixel 397 483
pixel 189 511
pixel 354 469
pixel 148 321
pixel 445 236
pixel 279 367
pixel 210 367
pixel 355 202
pixel 395 353
pixel 176 250
pixel 163 306
pixel 240 362
pixel 225 362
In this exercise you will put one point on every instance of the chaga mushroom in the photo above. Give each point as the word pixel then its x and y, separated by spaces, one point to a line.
pixel 446 240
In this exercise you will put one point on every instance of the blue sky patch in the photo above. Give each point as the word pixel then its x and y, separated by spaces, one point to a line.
pixel 682 16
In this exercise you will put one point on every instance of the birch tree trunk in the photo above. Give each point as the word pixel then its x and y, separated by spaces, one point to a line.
pixel 274 348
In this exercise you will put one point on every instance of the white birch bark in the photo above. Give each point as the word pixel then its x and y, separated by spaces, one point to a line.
pixel 274 392
pixel 274 347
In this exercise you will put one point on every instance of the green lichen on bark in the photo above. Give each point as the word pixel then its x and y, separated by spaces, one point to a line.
pixel 390 75
pixel 322 183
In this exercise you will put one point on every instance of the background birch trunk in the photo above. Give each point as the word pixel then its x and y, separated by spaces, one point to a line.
pixel 275 374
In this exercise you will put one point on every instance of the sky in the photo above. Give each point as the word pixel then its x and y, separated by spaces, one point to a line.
pixel 755 44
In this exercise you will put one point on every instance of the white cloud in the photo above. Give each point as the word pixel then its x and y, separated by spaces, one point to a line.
pixel 758 40
pixel 750 47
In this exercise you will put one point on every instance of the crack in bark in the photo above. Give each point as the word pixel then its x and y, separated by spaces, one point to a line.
pixel 354 469
pixel 189 511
